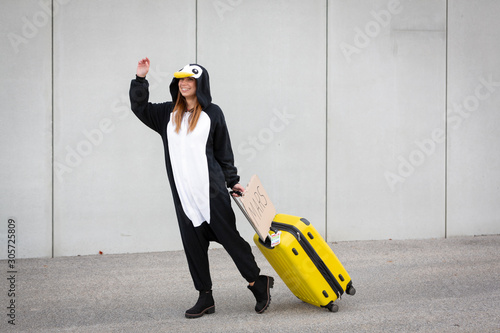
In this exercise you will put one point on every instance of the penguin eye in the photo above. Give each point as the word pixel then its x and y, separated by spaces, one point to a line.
pixel 195 71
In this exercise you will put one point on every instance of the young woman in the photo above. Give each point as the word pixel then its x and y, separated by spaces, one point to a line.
pixel 200 168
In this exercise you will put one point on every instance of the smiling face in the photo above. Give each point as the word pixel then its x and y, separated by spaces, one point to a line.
pixel 187 87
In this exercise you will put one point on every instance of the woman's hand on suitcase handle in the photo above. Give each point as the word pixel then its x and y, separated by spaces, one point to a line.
pixel 237 190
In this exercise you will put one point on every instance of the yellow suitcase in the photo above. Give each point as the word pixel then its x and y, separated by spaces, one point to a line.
pixel 306 263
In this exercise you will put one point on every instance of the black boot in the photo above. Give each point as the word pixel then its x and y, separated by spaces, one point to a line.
pixel 261 291
pixel 204 305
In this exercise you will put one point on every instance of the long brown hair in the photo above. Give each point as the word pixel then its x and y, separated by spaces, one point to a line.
pixel 181 108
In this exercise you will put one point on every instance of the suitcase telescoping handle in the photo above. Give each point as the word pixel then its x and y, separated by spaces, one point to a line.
pixel 245 213
pixel 240 204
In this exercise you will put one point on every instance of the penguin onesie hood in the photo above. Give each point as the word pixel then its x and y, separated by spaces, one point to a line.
pixel 200 168
pixel 203 83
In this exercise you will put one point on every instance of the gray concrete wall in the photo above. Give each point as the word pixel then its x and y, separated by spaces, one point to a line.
pixel 347 111
pixel 473 118
pixel 387 98
pixel 25 129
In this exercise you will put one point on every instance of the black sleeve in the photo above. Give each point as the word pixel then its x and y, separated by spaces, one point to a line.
pixel 152 115
pixel 224 153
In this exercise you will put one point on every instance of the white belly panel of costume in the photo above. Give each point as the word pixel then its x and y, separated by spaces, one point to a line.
pixel 190 167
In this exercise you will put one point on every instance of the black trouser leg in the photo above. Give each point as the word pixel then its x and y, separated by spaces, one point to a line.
pixel 238 248
pixel 196 249
pixel 196 241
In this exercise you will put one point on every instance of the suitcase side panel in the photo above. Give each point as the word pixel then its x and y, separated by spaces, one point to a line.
pixel 326 265
pixel 315 246
pixel 323 250
pixel 297 270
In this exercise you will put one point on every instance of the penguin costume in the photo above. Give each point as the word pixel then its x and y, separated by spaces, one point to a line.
pixel 200 167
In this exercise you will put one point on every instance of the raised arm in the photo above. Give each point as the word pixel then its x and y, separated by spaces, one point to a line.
pixel 153 115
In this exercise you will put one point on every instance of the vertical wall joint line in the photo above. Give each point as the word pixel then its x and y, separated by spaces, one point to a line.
pixel 326 122
pixel 446 129
pixel 52 116
pixel 196 32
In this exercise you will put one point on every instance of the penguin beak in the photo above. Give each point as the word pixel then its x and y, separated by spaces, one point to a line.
pixel 180 75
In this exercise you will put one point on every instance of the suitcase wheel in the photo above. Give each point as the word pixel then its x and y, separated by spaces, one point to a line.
pixel 332 307
pixel 351 291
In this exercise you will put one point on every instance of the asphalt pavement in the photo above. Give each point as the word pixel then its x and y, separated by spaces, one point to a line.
pixel 432 285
